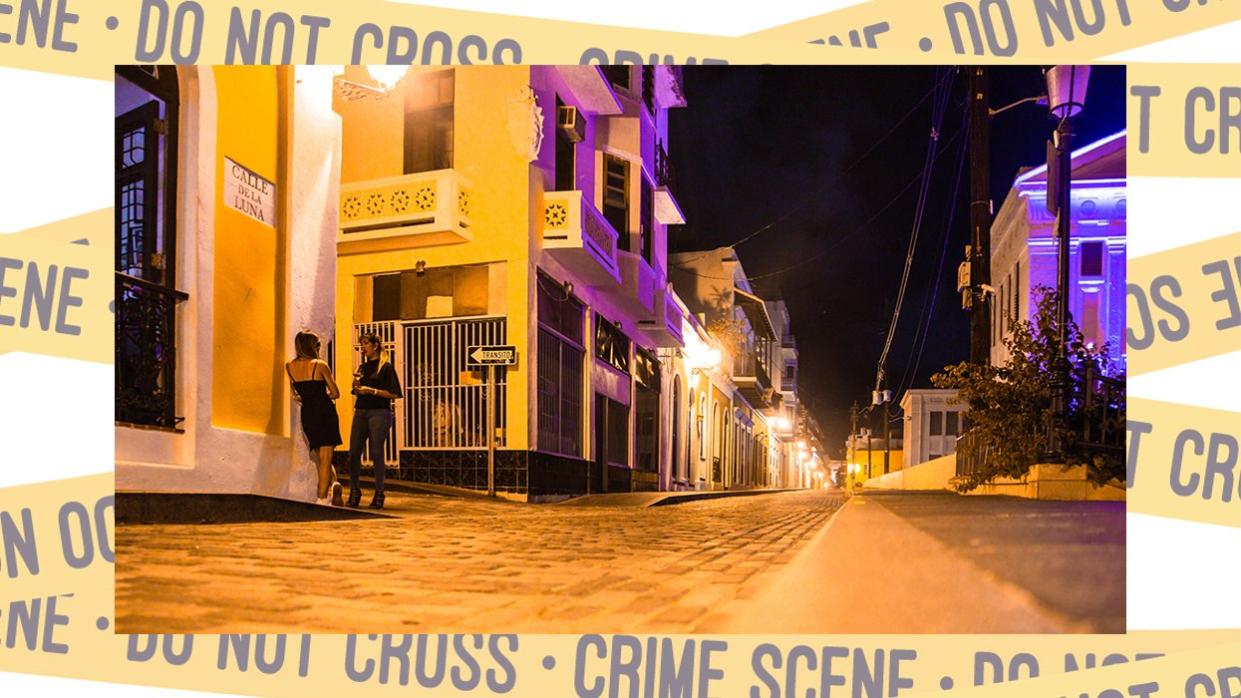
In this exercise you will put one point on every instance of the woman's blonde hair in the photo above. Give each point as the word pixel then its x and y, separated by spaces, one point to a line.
pixel 306 345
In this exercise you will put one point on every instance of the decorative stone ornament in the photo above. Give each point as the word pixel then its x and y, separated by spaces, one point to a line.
pixel 525 124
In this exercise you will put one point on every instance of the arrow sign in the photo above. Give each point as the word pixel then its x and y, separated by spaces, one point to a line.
pixel 493 355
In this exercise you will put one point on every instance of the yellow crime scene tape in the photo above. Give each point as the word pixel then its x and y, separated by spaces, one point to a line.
pixel 61 575
pixel 57 565
pixel 90 38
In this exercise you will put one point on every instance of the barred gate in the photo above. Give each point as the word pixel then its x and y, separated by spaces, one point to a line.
pixel 446 402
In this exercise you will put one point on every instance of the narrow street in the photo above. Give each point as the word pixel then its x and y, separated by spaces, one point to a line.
pixel 466 565
pixel 890 562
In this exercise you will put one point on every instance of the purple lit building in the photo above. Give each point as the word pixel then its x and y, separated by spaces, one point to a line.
pixel 1023 248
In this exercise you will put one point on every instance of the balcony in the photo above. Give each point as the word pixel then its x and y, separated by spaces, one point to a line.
pixel 667 210
pixel 576 235
pixel 665 327
pixel 146 349
pixel 752 380
pixel 592 89
pixel 638 285
pixel 425 208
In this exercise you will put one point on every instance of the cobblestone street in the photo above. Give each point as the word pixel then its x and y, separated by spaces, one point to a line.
pixel 467 565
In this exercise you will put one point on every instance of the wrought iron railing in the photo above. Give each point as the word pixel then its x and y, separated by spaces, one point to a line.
pixel 972 453
pixel 146 350
pixel 664 174
pixel 648 88
pixel 747 365
pixel 1103 412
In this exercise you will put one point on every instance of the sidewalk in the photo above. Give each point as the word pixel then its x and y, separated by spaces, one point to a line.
pixel 928 562
pixel 658 499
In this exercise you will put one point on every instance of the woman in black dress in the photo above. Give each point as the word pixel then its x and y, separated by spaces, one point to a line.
pixel 315 388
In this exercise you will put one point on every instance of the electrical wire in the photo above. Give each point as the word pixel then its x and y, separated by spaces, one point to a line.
pixel 924 322
pixel 861 227
pixel 937 119
pixel 814 195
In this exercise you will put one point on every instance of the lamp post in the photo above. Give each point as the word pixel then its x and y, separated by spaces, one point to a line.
pixel 1066 97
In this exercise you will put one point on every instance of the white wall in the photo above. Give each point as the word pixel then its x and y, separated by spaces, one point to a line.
pixel 207 458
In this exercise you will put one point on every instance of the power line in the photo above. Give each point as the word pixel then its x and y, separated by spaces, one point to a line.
pixel 835 243
pixel 813 196
pixel 924 322
pixel 937 120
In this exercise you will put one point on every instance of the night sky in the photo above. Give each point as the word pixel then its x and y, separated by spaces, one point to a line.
pixel 821 155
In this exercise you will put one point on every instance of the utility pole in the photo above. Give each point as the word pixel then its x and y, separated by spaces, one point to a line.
pixel 887 437
pixel 869 452
pixel 852 465
pixel 1062 186
pixel 979 251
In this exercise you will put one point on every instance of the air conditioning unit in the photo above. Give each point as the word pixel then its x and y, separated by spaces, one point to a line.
pixel 572 123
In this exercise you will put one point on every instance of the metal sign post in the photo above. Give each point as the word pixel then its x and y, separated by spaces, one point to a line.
pixel 489 357
pixel 491 430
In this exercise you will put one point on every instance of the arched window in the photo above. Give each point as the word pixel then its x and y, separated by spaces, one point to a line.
pixel 147 100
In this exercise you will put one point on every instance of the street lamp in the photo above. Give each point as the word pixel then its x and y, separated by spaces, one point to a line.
pixel 1066 98
pixel 1066 89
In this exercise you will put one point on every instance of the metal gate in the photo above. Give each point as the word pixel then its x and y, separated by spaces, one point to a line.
pixel 445 403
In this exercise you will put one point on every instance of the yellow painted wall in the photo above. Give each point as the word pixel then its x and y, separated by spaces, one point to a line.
pixel 931 475
pixel 859 456
pixel 249 299
pixel 502 200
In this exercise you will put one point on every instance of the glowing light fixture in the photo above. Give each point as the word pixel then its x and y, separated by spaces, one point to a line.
pixel 387 75
pixel 1066 89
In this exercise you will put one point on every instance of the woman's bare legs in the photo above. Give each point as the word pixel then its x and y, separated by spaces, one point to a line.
pixel 325 471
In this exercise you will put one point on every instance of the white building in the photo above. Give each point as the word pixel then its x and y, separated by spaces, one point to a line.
pixel 1023 248
pixel 226 199
pixel 932 423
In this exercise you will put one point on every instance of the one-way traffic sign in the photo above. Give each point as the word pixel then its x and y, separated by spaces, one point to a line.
pixel 491 355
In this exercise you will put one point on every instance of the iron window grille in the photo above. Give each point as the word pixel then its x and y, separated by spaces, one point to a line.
pixel 146 300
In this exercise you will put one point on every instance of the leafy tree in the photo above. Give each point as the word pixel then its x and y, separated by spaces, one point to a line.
pixel 1010 406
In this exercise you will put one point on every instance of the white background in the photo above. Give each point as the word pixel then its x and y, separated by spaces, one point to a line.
pixel 56 160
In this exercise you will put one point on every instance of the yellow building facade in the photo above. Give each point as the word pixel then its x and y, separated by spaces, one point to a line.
pixel 522 206
pixel 226 215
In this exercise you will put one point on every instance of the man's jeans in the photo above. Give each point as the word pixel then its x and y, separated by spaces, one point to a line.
pixel 368 425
